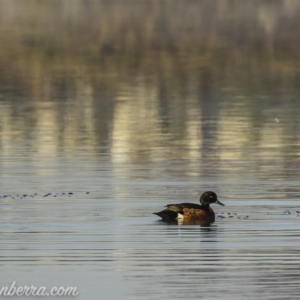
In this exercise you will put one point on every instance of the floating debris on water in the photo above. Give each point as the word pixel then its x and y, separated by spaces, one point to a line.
pixel 23 196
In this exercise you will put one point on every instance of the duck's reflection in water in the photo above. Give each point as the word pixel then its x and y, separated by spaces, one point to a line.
pixel 201 223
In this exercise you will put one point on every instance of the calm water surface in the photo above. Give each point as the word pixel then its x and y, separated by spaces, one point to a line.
pixel 95 139
pixel 104 239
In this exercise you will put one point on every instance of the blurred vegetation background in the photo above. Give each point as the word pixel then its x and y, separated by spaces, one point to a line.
pixel 249 44
pixel 149 74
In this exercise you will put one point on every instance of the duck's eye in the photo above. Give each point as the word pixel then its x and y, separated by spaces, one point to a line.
pixel 210 197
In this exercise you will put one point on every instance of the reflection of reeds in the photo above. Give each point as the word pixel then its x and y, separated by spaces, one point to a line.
pixel 243 42
pixel 174 59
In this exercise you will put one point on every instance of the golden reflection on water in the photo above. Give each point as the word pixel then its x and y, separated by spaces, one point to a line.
pixel 138 84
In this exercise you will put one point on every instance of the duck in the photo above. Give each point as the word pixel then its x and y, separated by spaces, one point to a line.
pixel 191 213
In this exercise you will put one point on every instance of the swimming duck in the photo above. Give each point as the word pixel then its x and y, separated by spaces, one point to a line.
pixel 190 212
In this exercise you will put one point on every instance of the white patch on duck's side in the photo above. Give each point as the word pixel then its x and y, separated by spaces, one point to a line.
pixel 179 216
pixel 180 222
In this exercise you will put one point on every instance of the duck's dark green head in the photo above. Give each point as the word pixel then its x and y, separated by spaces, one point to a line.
pixel 208 198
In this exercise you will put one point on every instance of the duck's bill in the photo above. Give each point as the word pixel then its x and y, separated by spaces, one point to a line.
pixel 220 203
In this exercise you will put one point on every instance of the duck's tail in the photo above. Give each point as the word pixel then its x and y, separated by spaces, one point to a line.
pixel 168 215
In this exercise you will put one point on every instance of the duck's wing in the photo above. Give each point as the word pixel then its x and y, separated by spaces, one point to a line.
pixel 178 208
